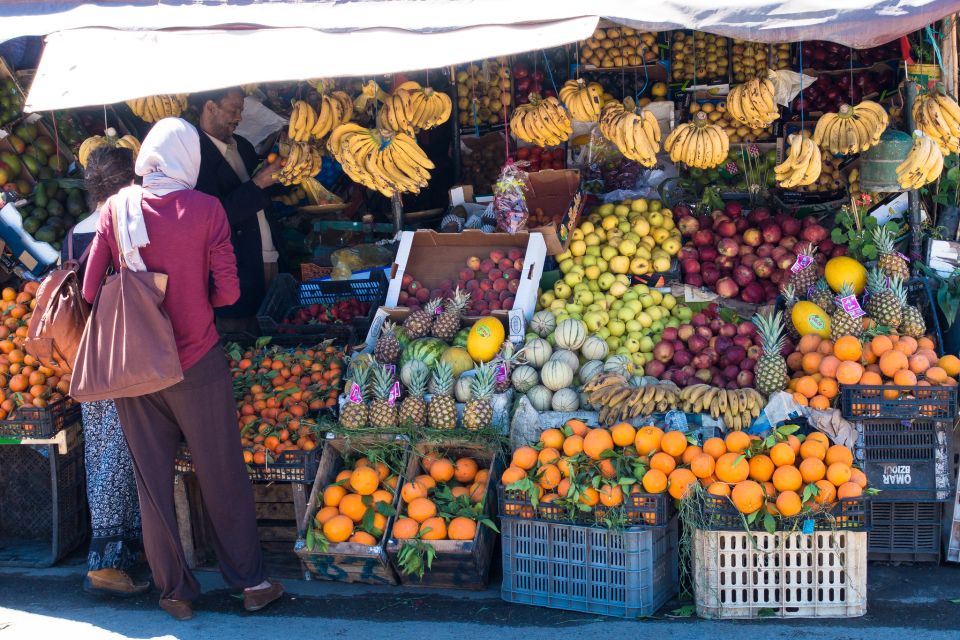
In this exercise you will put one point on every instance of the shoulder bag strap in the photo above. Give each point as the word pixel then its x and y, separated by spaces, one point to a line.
pixel 70 245
pixel 116 234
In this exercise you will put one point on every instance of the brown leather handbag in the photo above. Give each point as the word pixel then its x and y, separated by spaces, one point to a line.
pixel 128 348
pixel 60 316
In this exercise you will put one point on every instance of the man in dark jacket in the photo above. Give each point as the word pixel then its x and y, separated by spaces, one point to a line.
pixel 226 166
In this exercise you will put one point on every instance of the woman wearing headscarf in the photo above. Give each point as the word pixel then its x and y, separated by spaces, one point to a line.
pixel 168 227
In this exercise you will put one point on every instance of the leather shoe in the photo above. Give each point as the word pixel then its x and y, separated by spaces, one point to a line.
pixel 258 599
pixel 113 582
pixel 178 609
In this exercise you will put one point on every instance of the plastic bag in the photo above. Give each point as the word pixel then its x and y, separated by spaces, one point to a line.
pixel 509 202
pixel 603 168
pixel 359 258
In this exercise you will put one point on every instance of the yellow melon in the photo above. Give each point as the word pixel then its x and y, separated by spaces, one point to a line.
pixel 845 269
pixel 809 318
pixel 485 339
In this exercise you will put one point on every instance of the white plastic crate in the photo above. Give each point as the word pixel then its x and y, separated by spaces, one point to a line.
pixel 785 574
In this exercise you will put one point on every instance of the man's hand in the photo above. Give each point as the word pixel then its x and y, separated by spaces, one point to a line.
pixel 268 174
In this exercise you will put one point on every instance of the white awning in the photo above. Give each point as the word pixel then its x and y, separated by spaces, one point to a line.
pixel 87 67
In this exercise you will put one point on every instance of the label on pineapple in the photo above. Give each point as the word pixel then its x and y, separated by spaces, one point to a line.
pixel 802 263
pixel 501 371
pixel 394 393
pixel 438 311
pixel 852 307
pixel 897 253
pixel 355 396
pixel 816 322
pixel 391 369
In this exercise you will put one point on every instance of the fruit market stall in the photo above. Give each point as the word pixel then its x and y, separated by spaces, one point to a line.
pixel 650 311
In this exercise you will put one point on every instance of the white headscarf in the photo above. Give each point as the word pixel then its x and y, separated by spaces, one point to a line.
pixel 169 161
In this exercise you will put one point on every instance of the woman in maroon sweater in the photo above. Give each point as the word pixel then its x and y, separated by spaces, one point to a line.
pixel 167 227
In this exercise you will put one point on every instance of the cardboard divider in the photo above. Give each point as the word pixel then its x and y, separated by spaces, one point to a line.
pixel 559 194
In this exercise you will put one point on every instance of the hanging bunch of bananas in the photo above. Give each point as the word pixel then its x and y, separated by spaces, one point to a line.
pixel 698 144
pixel 923 164
pixel 938 116
pixel 336 108
pixel 636 136
pixel 385 161
pixel 413 108
pixel 109 138
pixel 543 122
pixel 369 93
pixel 302 120
pixel 853 129
pixel 301 160
pixel 155 108
pixel 582 100
pixel 802 165
pixel 752 104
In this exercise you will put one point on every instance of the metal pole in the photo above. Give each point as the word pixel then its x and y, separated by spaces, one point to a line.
pixel 913 198
pixel 396 203
pixel 455 123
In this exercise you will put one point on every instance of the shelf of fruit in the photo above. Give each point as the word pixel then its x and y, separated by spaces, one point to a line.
pixel 700 57
pixel 484 89
pixel 753 59
pixel 616 47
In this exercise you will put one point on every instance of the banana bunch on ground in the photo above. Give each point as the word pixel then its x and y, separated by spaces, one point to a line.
pixel 737 407
pixel 543 122
pixel 752 103
pixel 618 400
pixel 802 165
pixel 109 138
pixel 636 136
pixel 302 160
pixel 155 108
pixel 698 144
pixel 582 100
pixel 923 164
pixel 412 108
pixel 853 129
pixel 938 116
pixel 389 162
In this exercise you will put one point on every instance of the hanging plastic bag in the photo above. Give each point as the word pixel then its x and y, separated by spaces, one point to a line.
pixel 509 202
pixel 359 258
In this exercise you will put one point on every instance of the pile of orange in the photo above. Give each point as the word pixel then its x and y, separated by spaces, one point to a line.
pixel 445 502
pixel 275 389
pixel 820 366
pixel 563 464
pixel 356 505
pixel 23 380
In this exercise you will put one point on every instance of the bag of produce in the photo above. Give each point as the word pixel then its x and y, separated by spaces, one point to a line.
pixel 509 202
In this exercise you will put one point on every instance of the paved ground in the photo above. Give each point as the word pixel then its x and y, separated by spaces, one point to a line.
pixel 923 602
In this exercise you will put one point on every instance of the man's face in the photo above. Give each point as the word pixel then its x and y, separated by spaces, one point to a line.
pixel 221 120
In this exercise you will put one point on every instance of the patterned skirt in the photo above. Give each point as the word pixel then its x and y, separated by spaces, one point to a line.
pixel 111 490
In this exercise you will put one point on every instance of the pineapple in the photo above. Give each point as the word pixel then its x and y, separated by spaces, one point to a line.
pixel 478 414
pixel 418 324
pixel 823 296
pixel 446 325
pixel 383 413
pixel 354 414
pixel 841 322
pixel 413 409
pixel 790 299
pixel 442 412
pixel 806 278
pixel 387 349
pixel 771 369
pixel 889 262
pixel 883 305
pixel 911 322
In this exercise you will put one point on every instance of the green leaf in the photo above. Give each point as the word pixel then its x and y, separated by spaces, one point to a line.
pixel 838 236
pixel 766 613
pixel 953 174
pixel 769 524
pixel 869 251
pixel 686 611
pixel 869 222
pixel 262 341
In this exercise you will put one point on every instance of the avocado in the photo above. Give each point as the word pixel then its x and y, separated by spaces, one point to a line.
pixel 46 145
pixel 75 202
pixel 36 152
pixel 46 234
pixel 55 208
pixel 56 222
pixel 52 188
pixel 40 195
pixel 12 161
pixel 40 213
pixel 31 164
pixel 30 225
pixel 46 173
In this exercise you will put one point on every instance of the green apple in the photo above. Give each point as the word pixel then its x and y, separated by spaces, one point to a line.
pixel 622 351
pixel 641 289
pixel 657 296
pixel 617 327
pixel 593 286
pixel 647 301
pixel 639 205
pixel 573 307
pixel 593 320
pixel 613 343
pixel 633 326
pixel 645 320
pixel 624 226
pixel 606 280
pixel 605 209
pixel 673 322
pixel 546 298
pixel 603 332
pixel 592 272
pixel 656 205
pixel 669 301
pixel 630 294
pixel 654 312
pixel 638 365
pixel 608 253
pixel 623 278
pixel 657 326
pixel 593 250
pixel 588 261
pixel 632 345
pixel 625 314
pixel 621 211
pixel 618 288
pixel 647 344
pixel 683 312
pixel 627 247
pixel 566 255
pixel 573 278
pixel 655 219
pixel 562 289
pixel 603 264
pixel 583 297
pixel 566 265
pixel 634 305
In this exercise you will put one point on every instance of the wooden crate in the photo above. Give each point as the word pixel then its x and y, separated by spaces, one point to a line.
pixel 279 510
pixel 459 564
pixel 346 561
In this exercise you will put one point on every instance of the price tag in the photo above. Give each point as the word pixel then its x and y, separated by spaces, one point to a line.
pixel 897 253
pixel 356 397
pixel 676 420
pixel 852 307
pixel 808 526
pixel 803 261
pixel 391 369
pixel 394 393
pixel 438 311
pixel 810 292
pixel 501 372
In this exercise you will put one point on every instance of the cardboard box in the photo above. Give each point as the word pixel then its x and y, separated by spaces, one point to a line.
pixel 559 193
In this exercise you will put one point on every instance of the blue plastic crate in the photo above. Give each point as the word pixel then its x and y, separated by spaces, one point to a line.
pixel 624 573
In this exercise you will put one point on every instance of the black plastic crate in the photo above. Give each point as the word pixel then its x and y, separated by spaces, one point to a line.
pixel 907 459
pixel 37 422
pixel 638 509
pixel 717 513
pixel 298 467
pixel 286 296
pixel 43 504
pixel 342 335
pixel 905 531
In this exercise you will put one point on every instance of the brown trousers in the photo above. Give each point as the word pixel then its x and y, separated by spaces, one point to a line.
pixel 202 409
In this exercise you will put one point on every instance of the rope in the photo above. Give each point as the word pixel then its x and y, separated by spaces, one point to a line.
pixel 802 101
pixel 936 48
pixel 546 64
